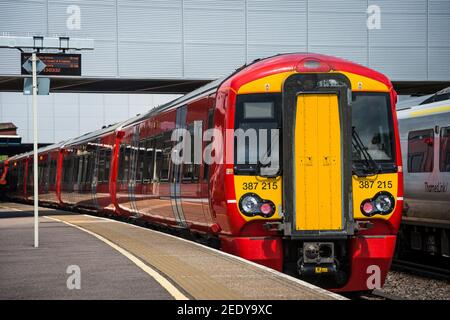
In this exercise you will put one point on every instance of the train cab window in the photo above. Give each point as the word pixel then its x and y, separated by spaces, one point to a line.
pixel 444 151
pixel 420 151
pixel 372 123
pixel 256 114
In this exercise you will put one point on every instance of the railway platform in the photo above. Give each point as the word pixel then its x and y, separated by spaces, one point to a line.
pixel 117 260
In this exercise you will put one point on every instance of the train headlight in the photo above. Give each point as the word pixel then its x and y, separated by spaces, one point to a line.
pixel 250 203
pixel 384 203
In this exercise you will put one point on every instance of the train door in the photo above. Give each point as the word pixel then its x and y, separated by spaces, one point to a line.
pixel 317 177
pixel 175 188
pixel 95 171
pixel 133 163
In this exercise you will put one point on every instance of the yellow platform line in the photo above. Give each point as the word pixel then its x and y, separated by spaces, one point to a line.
pixel 166 284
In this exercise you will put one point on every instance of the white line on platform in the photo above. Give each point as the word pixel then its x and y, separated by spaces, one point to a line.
pixel 9 208
pixel 177 294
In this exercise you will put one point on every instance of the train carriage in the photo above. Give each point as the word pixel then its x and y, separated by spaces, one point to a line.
pixel 325 207
pixel 425 139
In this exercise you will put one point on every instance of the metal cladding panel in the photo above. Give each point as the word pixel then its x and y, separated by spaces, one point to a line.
pixel 97 19
pixel 333 6
pixel 98 22
pixel 101 61
pixel 150 21
pixel 210 61
pixel 32 20
pixel 9 61
pixel 439 7
pixel 207 22
pixel 439 40
pixel 439 64
pixel 139 59
pixel 150 39
pixel 401 7
pixel 272 26
pixel 337 24
pixel 23 18
pixel 214 37
pixel 400 30
pixel 439 29
pixel 398 63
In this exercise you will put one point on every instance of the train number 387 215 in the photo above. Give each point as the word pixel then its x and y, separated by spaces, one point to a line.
pixel 262 185
pixel 367 184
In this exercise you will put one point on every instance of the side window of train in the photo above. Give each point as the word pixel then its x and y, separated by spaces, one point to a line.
pixel 166 157
pixel 157 158
pixel 420 151
pixel 444 152
pixel 101 165
pixel 163 149
pixel 210 126
pixel 140 161
pixel 147 161
pixel 121 168
pixel 191 170
pixel 108 154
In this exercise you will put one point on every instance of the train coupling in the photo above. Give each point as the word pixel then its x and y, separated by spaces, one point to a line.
pixel 317 258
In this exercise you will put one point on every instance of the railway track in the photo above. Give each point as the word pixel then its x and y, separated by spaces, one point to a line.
pixel 421 269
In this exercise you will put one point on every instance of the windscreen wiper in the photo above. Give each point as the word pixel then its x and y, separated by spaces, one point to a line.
pixel 370 166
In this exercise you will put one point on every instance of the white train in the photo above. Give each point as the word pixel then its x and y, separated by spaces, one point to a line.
pixel 425 143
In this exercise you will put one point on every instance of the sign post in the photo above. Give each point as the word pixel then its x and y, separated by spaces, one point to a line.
pixel 35 153
pixel 58 64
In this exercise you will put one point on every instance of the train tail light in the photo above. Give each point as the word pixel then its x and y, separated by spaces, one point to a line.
pixel 266 209
pixel 367 208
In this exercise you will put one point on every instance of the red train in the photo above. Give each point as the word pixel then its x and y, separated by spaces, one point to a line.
pixel 330 211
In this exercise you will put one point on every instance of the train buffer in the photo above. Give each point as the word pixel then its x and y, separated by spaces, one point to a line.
pixel 88 257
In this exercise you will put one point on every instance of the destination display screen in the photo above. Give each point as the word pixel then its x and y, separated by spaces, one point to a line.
pixel 57 64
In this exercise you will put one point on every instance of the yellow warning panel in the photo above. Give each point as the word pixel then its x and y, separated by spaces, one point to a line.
pixel 318 176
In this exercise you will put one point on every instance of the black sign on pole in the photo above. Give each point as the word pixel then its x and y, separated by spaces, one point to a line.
pixel 56 64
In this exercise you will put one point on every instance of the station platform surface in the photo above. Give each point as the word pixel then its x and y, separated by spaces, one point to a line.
pixel 119 260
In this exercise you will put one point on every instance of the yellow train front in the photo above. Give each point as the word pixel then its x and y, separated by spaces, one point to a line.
pixel 318 194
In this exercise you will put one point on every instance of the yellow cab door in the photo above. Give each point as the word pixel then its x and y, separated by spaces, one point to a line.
pixel 316 154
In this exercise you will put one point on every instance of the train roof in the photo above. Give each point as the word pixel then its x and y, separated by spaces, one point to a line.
pixel 289 62
pixel 422 110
